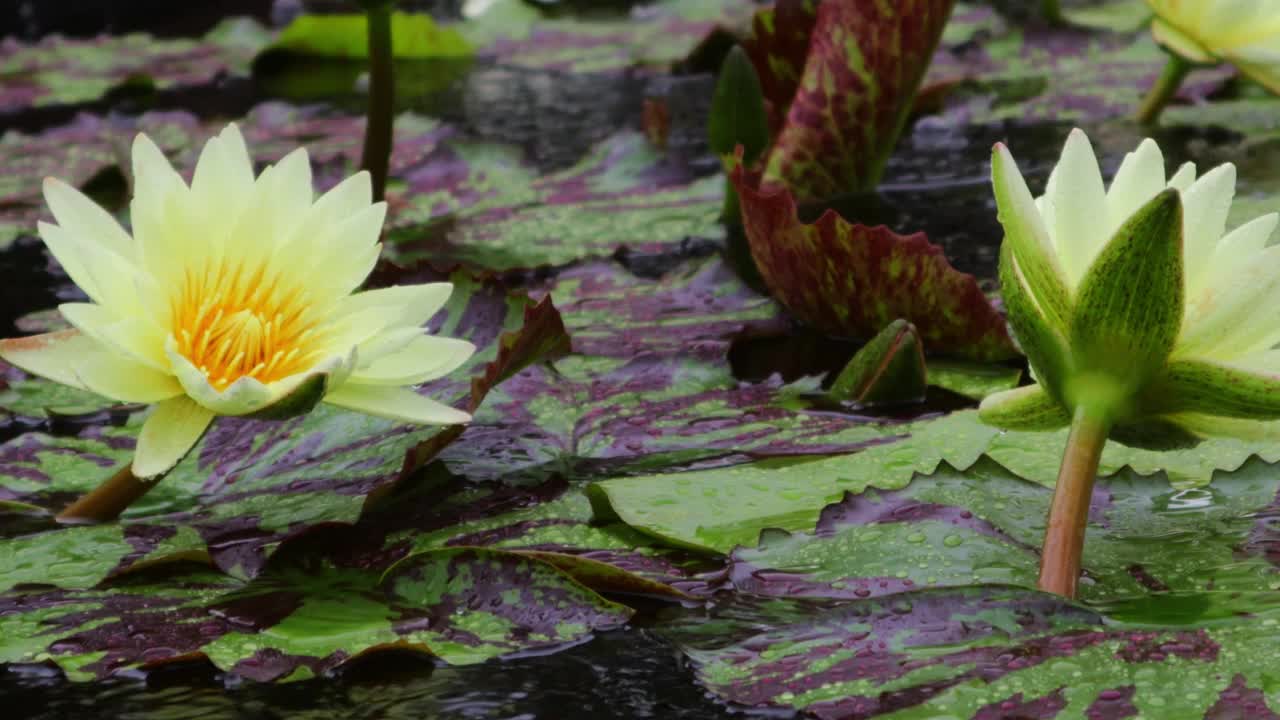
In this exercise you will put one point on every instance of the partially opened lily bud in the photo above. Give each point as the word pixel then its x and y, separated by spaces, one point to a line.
pixel 1143 319
pixel 1245 33
pixel 234 296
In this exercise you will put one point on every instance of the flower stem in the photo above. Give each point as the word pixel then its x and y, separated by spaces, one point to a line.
pixel 1052 11
pixel 1064 537
pixel 1165 87
pixel 377 131
pixel 105 502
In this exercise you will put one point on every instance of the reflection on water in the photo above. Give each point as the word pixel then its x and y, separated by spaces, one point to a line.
pixel 623 675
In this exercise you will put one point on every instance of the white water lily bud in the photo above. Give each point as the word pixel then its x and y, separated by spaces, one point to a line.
pixel 1133 302
pixel 234 296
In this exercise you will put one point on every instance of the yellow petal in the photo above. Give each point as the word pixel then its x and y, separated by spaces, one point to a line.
pixel 84 218
pixel 168 435
pixel 1206 205
pixel 395 403
pixel 120 378
pixel 411 305
pixel 52 355
pixel 1079 202
pixel 424 358
pixel 314 233
pixel 223 179
pixel 137 338
pixel 1140 177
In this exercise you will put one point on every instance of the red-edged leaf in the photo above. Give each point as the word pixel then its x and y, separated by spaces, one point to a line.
pixel 865 62
pixel 853 280
pixel 778 46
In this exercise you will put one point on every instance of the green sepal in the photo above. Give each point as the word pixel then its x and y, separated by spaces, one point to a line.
pixel 1044 344
pixel 738 114
pixel 1129 307
pixel 1025 408
pixel 1028 240
pixel 1155 434
pixel 299 401
pixel 1205 387
pixel 888 370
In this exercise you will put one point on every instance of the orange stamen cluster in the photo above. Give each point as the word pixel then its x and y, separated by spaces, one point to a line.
pixel 232 322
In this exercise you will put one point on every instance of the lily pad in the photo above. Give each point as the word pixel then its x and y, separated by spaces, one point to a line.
pixel 790 493
pixel 60 70
pixel 998 71
pixel 984 653
pixel 300 619
pixel 482 204
pixel 984 526
pixel 696 308
pixel 413 36
pixel 658 34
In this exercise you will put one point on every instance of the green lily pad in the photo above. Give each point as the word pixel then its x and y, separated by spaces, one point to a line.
pixel 413 36
pixel 790 493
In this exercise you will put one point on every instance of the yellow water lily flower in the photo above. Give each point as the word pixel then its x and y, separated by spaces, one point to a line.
pixel 1245 33
pixel 1143 319
pixel 234 296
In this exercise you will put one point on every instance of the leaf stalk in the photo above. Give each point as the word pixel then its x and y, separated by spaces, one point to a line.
pixel 376 156
pixel 1165 87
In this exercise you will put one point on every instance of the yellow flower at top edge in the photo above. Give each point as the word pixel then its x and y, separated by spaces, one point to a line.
pixel 234 296
pixel 1245 33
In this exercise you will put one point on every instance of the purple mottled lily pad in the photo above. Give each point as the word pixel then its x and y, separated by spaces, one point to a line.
pixel 999 71
pixel 305 618
pixel 485 205
pixel 985 525
pixel 655 35
pixel 60 70
pixel 696 309
pixel 983 653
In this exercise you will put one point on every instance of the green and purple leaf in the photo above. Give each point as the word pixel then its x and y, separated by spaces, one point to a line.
pixel 851 280
pixel 299 619
pixel 60 70
pixel 865 61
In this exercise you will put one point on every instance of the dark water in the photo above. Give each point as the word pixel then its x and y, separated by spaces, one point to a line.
pixel 617 676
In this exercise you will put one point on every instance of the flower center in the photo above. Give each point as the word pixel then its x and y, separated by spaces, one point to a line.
pixel 232 322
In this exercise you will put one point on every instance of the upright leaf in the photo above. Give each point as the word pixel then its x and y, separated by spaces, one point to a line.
pixel 866 59
pixel 852 280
